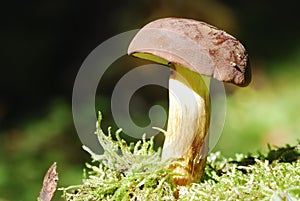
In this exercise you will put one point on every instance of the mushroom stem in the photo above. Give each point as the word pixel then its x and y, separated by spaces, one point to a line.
pixel 188 125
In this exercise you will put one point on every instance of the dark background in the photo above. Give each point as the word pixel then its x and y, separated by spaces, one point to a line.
pixel 45 42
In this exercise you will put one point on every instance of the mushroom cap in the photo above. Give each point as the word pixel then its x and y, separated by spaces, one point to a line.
pixel 195 45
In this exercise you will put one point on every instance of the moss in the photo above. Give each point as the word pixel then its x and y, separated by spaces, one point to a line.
pixel 123 172
pixel 227 179
pixel 135 172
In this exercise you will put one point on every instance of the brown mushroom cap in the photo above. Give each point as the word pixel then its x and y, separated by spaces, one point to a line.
pixel 195 45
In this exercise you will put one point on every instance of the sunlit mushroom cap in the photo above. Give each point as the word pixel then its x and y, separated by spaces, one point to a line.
pixel 195 45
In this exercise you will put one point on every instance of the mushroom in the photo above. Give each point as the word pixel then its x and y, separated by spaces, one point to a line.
pixel 192 49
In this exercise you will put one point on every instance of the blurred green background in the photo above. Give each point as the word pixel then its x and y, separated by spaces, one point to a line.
pixel 45 42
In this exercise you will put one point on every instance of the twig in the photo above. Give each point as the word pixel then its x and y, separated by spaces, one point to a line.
pixel 49 184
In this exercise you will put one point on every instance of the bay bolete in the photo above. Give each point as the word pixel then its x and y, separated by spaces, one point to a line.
pixel 191 48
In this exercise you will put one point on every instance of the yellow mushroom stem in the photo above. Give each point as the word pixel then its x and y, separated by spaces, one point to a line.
pixel 189 113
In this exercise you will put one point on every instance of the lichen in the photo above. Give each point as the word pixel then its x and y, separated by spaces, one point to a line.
pixel 136 172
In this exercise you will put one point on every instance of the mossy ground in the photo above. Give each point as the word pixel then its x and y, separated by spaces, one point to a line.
pixel 135 172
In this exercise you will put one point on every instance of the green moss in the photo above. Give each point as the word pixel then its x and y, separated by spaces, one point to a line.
pixel 123 172
pixel 229 179
pixel 135 172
